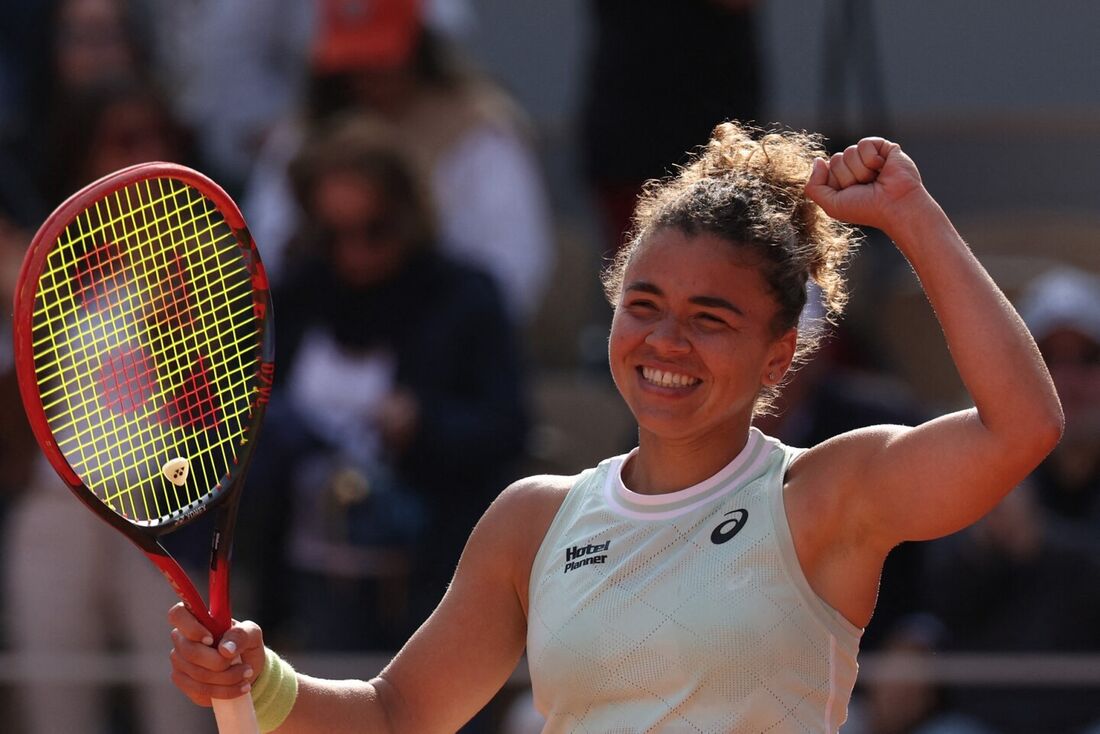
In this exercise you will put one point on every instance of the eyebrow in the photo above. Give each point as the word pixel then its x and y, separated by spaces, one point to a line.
pixel 705 301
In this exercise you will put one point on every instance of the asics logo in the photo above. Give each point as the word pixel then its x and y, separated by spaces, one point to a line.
pixel 729 528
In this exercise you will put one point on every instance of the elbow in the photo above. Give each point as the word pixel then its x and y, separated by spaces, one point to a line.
pixel 1030 436
pixel 1048 428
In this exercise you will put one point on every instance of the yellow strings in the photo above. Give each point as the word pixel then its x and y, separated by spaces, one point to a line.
pixel 78 329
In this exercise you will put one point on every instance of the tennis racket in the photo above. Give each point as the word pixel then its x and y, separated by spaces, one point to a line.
pixel 144 344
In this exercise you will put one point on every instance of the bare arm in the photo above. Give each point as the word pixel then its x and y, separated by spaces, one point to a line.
pixel 905 484
pixel 447 671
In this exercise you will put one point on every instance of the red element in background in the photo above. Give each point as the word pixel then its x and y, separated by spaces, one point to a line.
pixel 127 379
pixel 170 305
pixel 194 402
pixel 94 274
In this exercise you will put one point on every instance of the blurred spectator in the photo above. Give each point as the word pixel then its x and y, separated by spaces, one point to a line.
pixel 234 68
pixel 1062 310
pixel 63 48
pixel 660 76
pixel 380 58
pixel 94 40
pixel 107 126
pixel 1011 585
pixel 400 409
pixel 903 700
pixel 71 584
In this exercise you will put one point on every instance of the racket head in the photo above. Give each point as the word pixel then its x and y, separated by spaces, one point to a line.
pixel 143 334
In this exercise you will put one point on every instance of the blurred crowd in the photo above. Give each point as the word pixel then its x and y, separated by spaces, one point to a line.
pixel 398 198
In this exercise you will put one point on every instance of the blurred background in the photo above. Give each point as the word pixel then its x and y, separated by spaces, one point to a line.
pixel 434 186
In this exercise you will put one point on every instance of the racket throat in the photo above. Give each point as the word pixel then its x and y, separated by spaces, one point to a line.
pixel 189 594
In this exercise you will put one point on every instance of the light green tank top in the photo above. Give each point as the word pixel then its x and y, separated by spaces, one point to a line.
pixel 684 612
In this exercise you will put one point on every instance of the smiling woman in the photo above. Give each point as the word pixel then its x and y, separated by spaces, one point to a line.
pixel 735 572
pixel 748 190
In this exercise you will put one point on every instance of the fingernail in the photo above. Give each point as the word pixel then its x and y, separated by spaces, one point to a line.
pixel 208 640
pixel 230 647
pixel 248 672
pixel 246 688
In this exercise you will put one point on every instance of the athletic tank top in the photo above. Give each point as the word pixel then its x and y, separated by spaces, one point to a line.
pixel 684 612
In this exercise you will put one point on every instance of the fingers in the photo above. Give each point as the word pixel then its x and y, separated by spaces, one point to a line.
pixel 181 618
pixel 199 655
pixel 203 671
pixel 856 164
pixel 872 152
pixel 820 186
pixel 193 674
pixel 245 639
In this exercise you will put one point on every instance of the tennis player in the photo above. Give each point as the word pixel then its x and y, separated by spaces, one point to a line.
pixel 712 579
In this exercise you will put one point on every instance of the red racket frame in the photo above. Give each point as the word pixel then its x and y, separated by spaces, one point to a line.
pixel 225 497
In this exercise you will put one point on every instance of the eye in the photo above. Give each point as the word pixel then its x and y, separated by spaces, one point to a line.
pixel 710 319
pixel 640 305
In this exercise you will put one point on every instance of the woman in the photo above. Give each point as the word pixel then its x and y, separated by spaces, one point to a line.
pixel 712 579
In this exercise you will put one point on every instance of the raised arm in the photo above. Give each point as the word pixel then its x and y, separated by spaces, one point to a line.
pixel 447 671
pixel 897 483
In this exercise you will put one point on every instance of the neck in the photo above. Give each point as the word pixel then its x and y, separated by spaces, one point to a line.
pixel 661 466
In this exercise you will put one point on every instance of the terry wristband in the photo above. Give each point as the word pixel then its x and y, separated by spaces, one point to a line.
pixel 274 692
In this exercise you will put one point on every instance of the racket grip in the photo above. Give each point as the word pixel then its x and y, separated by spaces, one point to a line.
pixel 236 715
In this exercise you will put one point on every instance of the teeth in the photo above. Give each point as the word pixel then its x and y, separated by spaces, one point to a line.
pixel 667 379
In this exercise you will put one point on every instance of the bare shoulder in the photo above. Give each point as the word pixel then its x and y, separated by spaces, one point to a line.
pixel 520 515
pixel 539 488
pixel 516 523
pixel 527 506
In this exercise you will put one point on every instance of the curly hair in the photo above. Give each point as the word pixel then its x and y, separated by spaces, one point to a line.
pixel 746 186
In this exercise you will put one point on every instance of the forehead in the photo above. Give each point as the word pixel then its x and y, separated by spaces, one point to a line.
pixel 344 190
pixel 699 264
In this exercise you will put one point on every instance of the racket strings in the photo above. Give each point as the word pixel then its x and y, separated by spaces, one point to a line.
pixel 190 387
pixel 109 293
pixel 192 400
pixel 130 346
pixel 106 294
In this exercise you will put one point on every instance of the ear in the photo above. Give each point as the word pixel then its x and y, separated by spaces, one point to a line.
pixel 779 358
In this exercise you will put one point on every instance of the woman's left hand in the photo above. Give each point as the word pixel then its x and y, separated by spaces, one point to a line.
pixel 871 183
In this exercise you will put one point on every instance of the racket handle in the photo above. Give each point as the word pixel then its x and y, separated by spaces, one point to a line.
pixel 236 715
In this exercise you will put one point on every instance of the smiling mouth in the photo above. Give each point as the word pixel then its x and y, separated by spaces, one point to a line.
pixel 663 378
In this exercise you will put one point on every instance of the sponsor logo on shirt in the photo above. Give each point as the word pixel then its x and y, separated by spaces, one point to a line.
pixel 585 555
pixel 729 528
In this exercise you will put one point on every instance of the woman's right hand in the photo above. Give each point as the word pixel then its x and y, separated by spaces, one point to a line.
pixel 203 671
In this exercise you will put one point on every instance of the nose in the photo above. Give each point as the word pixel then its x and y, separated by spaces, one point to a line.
pixel 667 337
